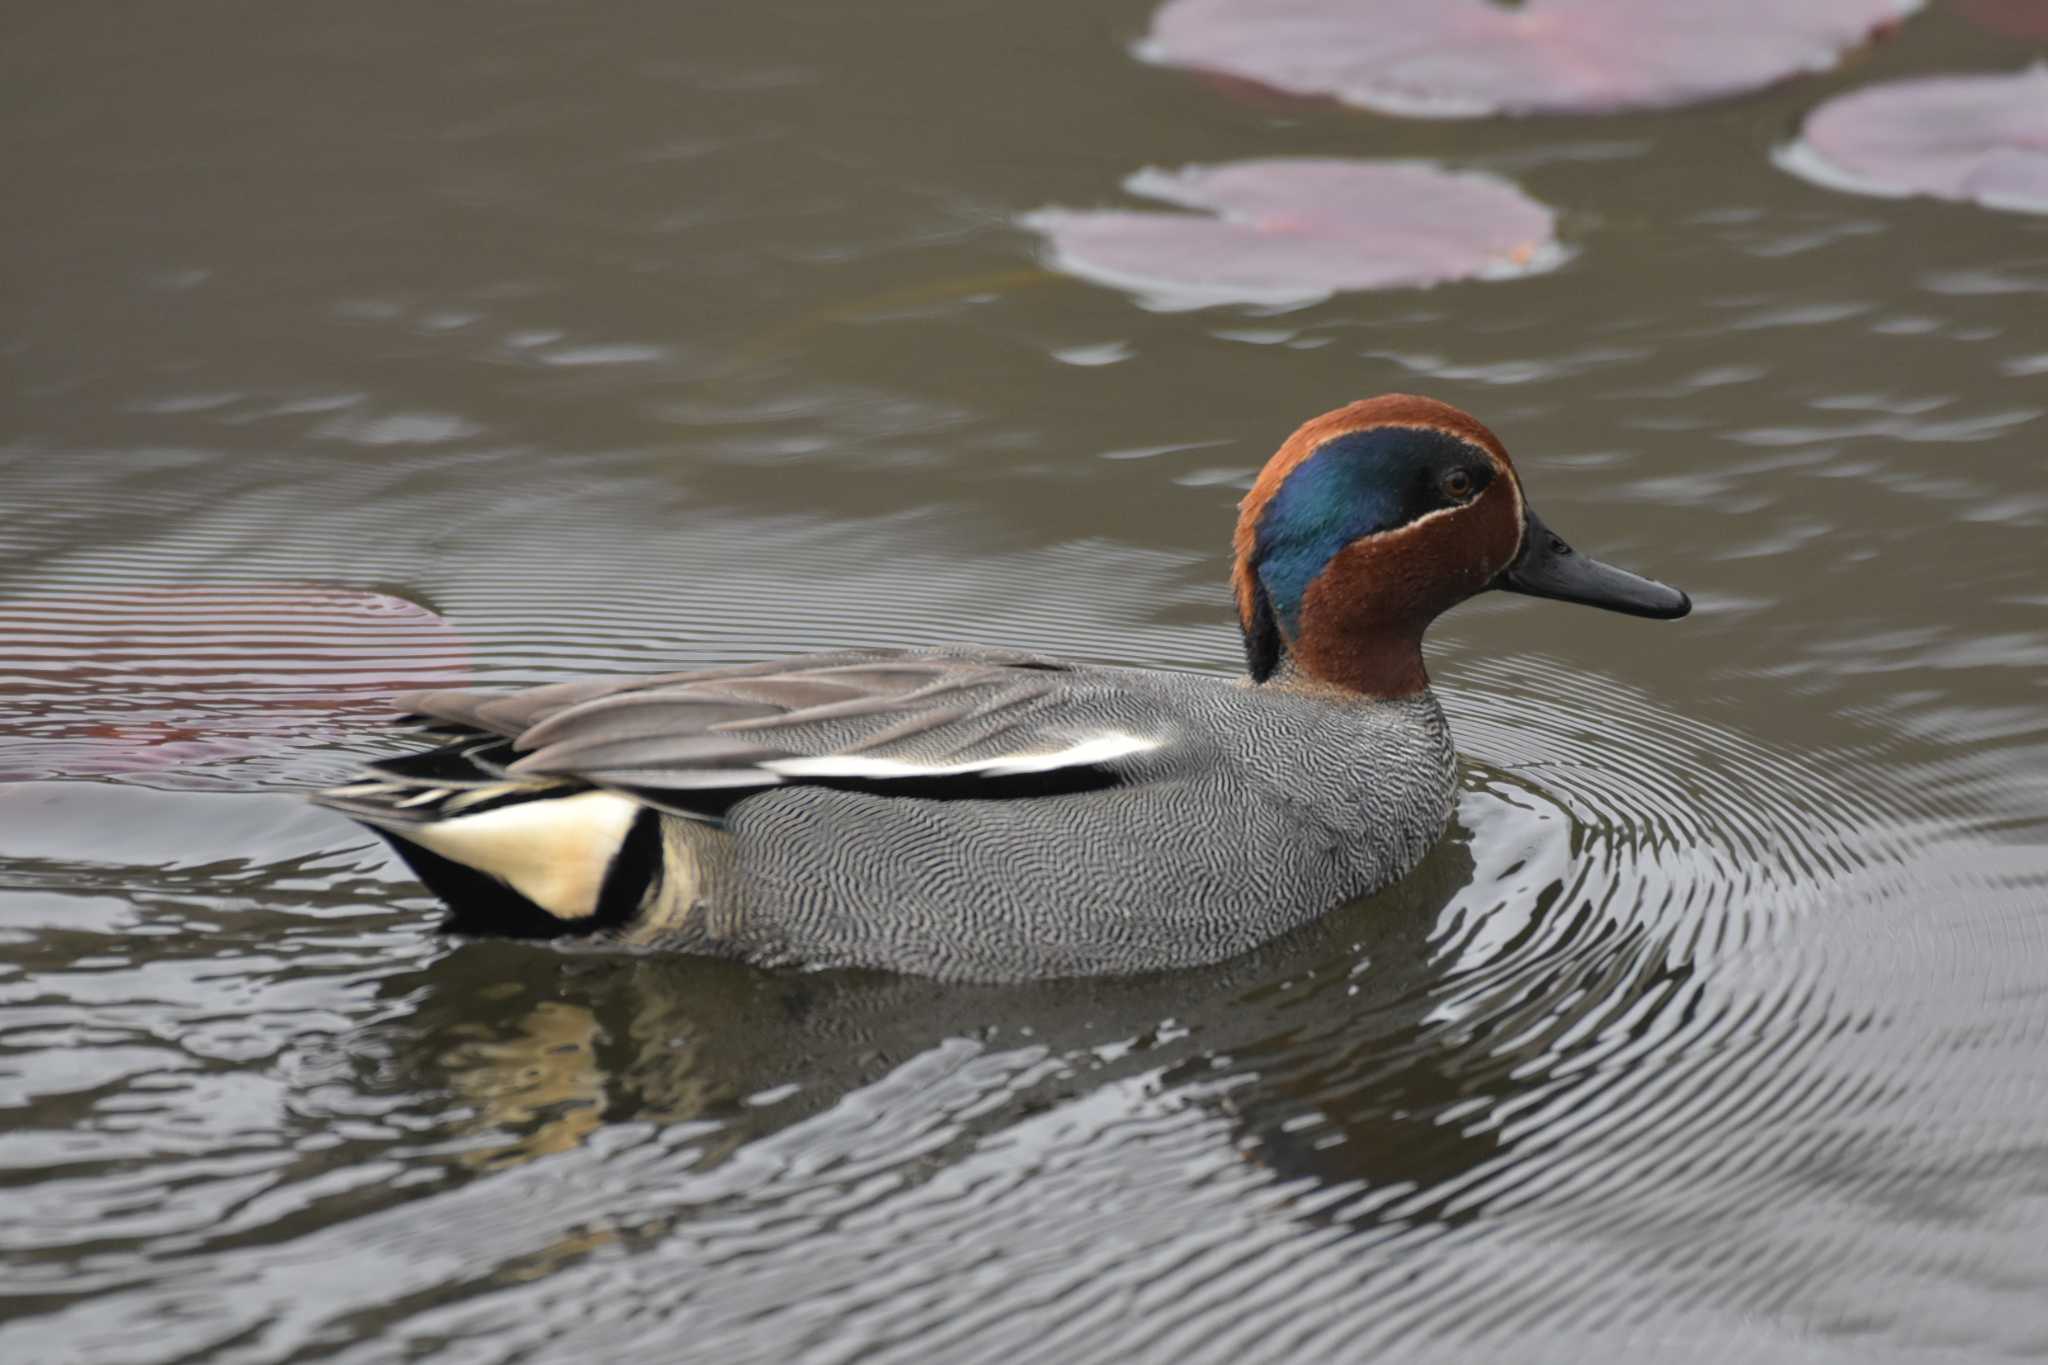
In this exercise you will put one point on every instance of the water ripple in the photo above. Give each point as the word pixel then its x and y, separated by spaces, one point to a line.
pixel 1642 1000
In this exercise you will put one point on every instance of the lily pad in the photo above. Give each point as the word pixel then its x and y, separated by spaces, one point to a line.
pixel 1471 58
pixel 175 680
pixel 1292 232
pixel 1981 139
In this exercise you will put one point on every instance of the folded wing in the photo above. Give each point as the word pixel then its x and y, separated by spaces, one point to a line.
pixel 941 725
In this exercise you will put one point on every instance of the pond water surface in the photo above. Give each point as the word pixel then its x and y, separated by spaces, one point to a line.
pixel 628 336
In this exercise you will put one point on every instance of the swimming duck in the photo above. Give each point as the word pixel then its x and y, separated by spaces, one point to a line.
pixel 990 814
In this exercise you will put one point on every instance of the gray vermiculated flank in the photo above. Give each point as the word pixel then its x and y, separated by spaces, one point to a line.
pixel 1259 809
pixel 1276 815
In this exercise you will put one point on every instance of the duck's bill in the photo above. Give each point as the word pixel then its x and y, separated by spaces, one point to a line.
pixel 1547 567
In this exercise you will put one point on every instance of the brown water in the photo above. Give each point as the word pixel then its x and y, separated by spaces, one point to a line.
pixel 625 335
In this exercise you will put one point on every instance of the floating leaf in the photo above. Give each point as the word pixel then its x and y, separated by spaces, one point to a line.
pixel 1291 232
pixel 1983 139
pixel 162 679
pixel 1469 58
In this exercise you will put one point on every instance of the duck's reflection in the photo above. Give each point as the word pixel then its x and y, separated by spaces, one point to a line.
pixel 1333 1054
pixel 543 1083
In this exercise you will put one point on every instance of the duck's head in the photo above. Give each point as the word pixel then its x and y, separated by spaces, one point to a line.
pixel 1376 518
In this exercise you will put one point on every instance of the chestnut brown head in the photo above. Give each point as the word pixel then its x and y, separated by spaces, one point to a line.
pixel 1371 521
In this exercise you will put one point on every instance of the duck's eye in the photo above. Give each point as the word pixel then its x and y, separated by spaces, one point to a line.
pixel 1458 485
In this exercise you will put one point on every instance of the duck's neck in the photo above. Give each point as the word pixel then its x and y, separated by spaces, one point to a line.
pixel 1361 620
pixel 1382 666
pixel 1365 669
pixel 1365 646
pixel 1358 628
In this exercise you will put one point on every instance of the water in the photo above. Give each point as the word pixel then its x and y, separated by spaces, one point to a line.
pixel 703 333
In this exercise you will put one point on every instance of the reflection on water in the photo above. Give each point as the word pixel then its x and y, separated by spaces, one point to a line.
pixel 544 1081
pixel 691 335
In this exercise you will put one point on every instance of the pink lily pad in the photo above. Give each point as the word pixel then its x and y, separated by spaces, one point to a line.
pixel 1258 95
pixel 1471 58
pixel 1293 232
pixel 156 680
pixel 1981 139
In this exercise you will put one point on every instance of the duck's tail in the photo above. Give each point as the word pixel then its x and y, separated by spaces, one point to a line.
pixel 526 857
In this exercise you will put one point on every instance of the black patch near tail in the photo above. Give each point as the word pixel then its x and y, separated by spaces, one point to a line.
pixel 635 869
pixel 480 904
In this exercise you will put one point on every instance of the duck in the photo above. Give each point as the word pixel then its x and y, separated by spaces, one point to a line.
pixel 977 813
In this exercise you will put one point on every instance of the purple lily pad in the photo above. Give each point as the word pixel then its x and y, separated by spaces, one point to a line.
pixel 1471 58
pixel 1983 139
pixel 161 680
pixel 1293 232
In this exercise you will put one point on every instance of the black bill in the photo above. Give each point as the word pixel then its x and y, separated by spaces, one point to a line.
pixel 1547 567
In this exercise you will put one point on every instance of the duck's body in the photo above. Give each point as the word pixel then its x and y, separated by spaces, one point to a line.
pixel 1178 818
pixel 983 814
